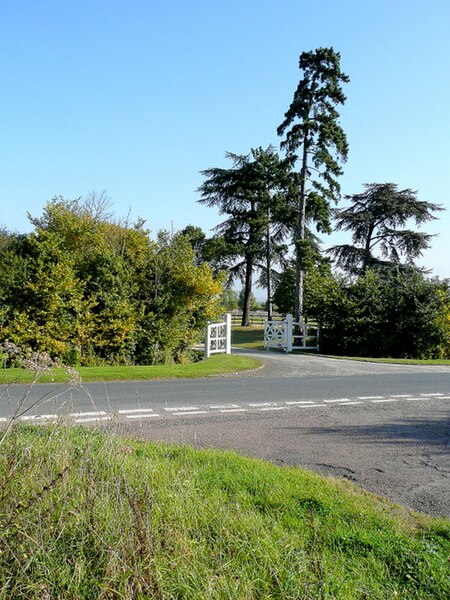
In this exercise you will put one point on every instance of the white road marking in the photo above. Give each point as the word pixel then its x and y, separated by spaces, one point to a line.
pixel 313 405
pixel 386 400
pixel 98 413
pixel 416 399
pixel 261 404
pixel 275 408
pixel 444 398
pixel 348 403
pixel 223 406
pixel 232 410
pixel 142 416
pixel 39 417
pixel 90 419
pixel 295 402
pixel 181 408
pixel 431 395
pixel 337 400
pixel 191 412
pixel 400 395
pixel 370 397
pixel 130 411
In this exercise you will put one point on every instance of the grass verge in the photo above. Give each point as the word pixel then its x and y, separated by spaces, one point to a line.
pixel 85 514
pixel 218 364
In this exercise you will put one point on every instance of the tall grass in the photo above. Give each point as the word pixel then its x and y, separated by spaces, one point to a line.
pixel 90 515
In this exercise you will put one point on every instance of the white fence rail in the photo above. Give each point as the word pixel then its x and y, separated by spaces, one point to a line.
pixel 288 335
pixel 218 337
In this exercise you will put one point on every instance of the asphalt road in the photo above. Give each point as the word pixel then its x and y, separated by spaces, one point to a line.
pixel 385 427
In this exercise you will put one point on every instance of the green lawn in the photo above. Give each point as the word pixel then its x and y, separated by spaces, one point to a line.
pixel 86 515
pixel 248 337
pixel 215 365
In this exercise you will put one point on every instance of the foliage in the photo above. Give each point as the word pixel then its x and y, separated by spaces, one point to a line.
pixel 253 303
pixel 377 219
pixel 92 291
pixel 315 141
pixel 230 299
pixel 395 312
pixel 89 515
pixel 250 194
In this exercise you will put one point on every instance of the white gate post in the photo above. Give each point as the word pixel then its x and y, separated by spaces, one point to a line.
pixel 228 333
pixel 289 323
pixel 207 340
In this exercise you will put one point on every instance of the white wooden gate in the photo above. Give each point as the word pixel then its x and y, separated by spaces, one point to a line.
pixel 218 337
pixel 289 335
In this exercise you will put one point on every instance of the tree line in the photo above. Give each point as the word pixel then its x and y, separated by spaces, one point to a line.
pixel 88 289
pixel 368 296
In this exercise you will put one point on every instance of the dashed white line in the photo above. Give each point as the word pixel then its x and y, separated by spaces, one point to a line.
pixel 223 406
pixel 261 404
pixel 275 408
pixel 348 403
pixel 370 397
pixel 386 400
pixel 295 402
pixel 400 395
pixel 429 395
pixel 130 411
pixel 181 409
pixel 92 413
pixel 91 419
pixel 142 416
pixel 38 417
pixel 190 412
pixel 337 400
pixel 232 410
pixel 409 399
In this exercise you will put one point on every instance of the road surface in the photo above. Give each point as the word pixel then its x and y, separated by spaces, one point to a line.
pixel 385 427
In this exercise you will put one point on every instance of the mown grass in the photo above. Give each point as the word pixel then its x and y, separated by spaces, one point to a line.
pixel 215 365
pixel 90 515
pixel 248 337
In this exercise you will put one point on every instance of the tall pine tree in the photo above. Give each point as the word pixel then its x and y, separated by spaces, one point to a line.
pixel 316 143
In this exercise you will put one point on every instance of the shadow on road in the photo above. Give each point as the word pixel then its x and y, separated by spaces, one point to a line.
pixel 403 431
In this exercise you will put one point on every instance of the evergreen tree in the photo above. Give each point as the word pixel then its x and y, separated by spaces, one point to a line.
pixel 250 195
pixel 377 219
pixel 314 141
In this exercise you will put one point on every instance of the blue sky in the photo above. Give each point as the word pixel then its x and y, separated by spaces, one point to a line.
pixel 137 97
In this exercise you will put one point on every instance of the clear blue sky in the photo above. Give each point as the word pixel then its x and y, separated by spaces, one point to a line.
pixel 137 97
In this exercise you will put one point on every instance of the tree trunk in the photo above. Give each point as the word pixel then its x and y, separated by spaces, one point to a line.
pixel 367 254
pixel 269 268
pixel 300 233
pixel 247 291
